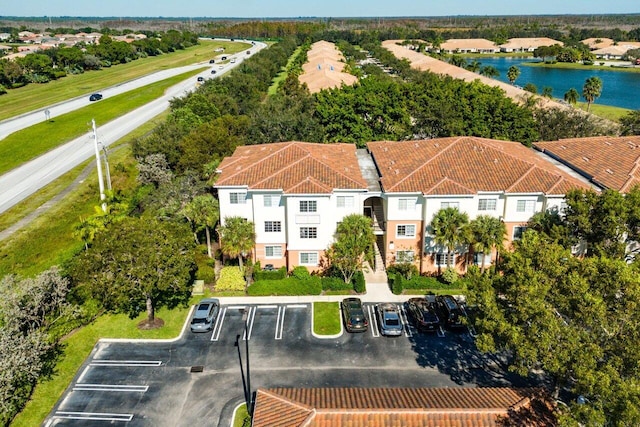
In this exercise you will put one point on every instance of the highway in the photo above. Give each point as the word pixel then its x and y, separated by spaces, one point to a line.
pixel 25 180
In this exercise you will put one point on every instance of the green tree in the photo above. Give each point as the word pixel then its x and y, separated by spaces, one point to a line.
pixel 489 71
pixel 547 92
pixel 474 66
pixel 237 237
pixel 630 123
pixel 512 74
pixel 449 227
pixel 352 246
pixel 203 212
pixel 591 90
pixel 486 233
pixel 571 96
pixel 137 265
pixel 530 87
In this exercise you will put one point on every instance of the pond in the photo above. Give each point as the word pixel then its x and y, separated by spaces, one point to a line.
pixel 619 88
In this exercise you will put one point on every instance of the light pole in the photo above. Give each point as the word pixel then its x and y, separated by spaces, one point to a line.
pixel 247 390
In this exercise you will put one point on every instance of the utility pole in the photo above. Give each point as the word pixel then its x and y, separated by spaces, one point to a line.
pixel 99 164
pixel 106 166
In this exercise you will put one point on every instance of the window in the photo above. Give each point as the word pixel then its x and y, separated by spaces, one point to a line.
pixel 308 258
pixel 308 232
pixel 271 200
pixel 445 259
pixel 407 204
pixel 308 206
pixel 404 256
pixel 518 231
pixel 526 206
pixel 445 205
pixel 406 230
pixel 345 201
pixel 272 226
pixel 487 204
pixel 273 251
pixel 477 258
pixel 238 198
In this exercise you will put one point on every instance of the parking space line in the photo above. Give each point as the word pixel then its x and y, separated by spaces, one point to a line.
pixel 375 332
pixel 246 335
pixel 267 306
pixel 106 362
pixel 297 306
pixel 84 372
pixel 95 416
pixel 280 322
pixel 110 387
pixel 440 331
pixel 405 323
pixel 215 335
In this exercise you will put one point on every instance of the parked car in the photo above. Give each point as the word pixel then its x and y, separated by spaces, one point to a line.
pixel 268 267
pixel 422 314
pixel 205 315
pixel 389 319
pixel 353 315
pixel 95 97
pixel 200 79
pixel 449 311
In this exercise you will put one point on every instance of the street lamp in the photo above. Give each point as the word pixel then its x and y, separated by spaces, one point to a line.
pixel 247 386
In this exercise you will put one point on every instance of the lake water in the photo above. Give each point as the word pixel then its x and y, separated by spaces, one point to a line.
pixel 619 88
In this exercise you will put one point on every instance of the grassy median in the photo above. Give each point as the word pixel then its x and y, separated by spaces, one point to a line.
pixel 326 318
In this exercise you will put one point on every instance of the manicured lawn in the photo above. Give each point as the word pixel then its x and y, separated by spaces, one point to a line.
pixel 77 347
pixel 35 96
pixel 605 111
pixel 33 141
pixel 240 415
pixel 576 66
pixel 326 318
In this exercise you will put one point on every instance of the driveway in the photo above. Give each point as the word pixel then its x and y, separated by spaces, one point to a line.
pixel 196 380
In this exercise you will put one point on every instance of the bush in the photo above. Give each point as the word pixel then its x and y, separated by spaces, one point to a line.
pixel 301 273
pixel 3 90
pixel 231 279
pixel 396 283
pixel 334 284
pixel 423 282
pixel 406 269
pixel 289 286
pixel 450 276
pixel 359 284
pixel 278 274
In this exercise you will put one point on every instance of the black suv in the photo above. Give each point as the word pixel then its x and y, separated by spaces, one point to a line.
pixel 353 315
pixel 95 97
pixel 449 311
pixel 422 314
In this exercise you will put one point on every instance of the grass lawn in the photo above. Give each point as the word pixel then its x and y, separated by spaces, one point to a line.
pixel 34 96
pixel 77 347
pixel 282 75
pixel 33 141
pixel 240 415
pixel 578 66
pixel 326 318
pixel 605 111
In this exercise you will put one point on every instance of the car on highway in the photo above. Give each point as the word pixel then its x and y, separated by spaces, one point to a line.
pixel 213 71
pixel 95 97
pixel 205 315
pixel 248 52
pixel 389 320
pixel 212 61
pixel 450 312
pixel 422 314
pixel 353 315
pixel 200 79
pixel 233 60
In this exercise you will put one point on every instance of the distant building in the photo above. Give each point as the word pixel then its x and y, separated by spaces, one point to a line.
pixel 469 46
pixel 527 44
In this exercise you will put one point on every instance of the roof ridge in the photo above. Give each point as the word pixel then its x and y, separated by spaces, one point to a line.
pixel 439 154
pixel 631 176
pixel 445 179
pixel 285 145
pixel 421 410
pixel 522 177
pixel 279 171
pixel 339 172
pixel 282 399
pixel 314 181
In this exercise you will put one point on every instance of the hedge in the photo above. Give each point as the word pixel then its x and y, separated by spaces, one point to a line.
pixel 359 284
pixel 398 283
pixel 335 284
pixel 289 286
pixel 278 274
pixel 231 279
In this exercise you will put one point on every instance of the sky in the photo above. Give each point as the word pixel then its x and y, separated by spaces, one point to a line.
pixel 309 8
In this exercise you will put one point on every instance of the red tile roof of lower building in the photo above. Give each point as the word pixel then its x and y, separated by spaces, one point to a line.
pixel 467 165
pixel 409 407
pixel 612 162
pixel 294 167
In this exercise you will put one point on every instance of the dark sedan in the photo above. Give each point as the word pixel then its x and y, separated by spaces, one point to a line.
pixel 95 97
pixel 422 314
pixel 353 315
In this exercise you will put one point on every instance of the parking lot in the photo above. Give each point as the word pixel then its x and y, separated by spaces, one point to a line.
pixel 178 383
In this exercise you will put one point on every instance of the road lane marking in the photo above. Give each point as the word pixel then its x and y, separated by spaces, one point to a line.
pixel 110 387
pixel 94 416
pixel 106 362
pixel 217 328
pixel 280 322
pixel 375 332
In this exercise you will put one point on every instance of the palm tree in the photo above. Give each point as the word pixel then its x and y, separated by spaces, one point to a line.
pixel 513 73
pixel 474 66
pixel 591 90
pixel 571 96
pixel 487 232
pixel 458 61
pixel 547 92
pixel 489 71
pixel 203 212
pixel 237 237
pixel 449 229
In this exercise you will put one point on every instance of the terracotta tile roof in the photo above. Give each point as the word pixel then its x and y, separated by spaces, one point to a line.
pixel 324 66
pixel 408 407
pixel 294 167
pixel 529 42
pixel 453 44
pixel 466 165
pixel 611 162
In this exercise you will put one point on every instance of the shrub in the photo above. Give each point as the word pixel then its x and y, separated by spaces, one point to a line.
pixel 231 279
pixel 288 286
pixel 334 284
pixel 3 90
pixel 278 274
pixel 396 283
pixel 301 273
pixel 450 276
pixel 406 269
pixel 423 282
pixel 359 284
